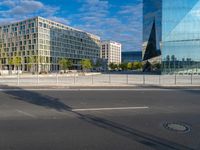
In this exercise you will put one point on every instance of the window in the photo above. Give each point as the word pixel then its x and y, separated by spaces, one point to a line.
pixel 40 24
pixel 45 25
pixel 32 30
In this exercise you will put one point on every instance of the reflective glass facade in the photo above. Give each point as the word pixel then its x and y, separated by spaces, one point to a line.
pixel 152 33
pixel 180 34
pixel 132 56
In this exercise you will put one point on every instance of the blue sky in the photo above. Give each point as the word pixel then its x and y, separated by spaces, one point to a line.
pixel 119 20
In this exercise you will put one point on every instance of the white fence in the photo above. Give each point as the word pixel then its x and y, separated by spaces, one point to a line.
pixel 99 79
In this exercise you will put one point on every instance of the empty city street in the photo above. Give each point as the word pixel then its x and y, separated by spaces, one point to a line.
pixel 99 119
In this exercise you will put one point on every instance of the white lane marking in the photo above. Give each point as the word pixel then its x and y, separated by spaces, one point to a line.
pixel 25 113
pixel 115 108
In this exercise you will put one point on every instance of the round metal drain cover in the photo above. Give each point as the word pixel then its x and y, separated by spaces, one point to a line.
pixel 178 127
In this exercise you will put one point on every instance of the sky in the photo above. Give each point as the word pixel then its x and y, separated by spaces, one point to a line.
pixel 118 20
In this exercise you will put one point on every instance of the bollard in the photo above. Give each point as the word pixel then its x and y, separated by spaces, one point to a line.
pixel 175 79
pixel 17 78
pixel 57 78
pixel 143 79
pixel 159 79
pixel 191 79
pixel 74 79
pixel 109 78
pixel 127 79
pixel 92 79
pixel 38 78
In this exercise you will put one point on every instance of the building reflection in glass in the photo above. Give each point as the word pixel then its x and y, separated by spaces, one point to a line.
pixel 177 30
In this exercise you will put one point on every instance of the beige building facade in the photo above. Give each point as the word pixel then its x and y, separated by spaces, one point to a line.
pixel 111 51
pixel 40 43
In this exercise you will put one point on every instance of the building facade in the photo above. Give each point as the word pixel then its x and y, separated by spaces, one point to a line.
pixel 40 43
pixel 171 35
pixel 111 51
pixel 132 56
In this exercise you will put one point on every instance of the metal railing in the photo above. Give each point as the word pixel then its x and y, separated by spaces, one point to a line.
pixel 99 79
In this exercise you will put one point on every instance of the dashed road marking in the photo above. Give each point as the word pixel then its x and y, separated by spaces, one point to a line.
pixel 112 108
pixel 26 114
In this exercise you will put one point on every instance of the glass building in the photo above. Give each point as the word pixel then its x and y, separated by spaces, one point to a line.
pixel 131 56
pixel 171 36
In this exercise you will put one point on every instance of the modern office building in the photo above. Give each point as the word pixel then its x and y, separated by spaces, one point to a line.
pixel 171 35
pixel 131 56
pixel 45 41
pixel 111 51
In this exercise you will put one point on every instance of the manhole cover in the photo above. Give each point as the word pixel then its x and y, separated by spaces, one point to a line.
pixel 178 127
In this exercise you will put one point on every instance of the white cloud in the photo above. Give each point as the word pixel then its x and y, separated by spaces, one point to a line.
pixel 8 3
pixel 59 19
pixel 22 9
pixel 125 27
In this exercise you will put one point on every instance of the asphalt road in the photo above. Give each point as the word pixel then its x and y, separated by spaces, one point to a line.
pixel 98 120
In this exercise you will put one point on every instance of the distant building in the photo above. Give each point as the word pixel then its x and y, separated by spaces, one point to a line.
pixel 132 56
pixel 111 51
pixel 46 42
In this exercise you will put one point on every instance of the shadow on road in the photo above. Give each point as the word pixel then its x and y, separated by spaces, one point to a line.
pixel 136 135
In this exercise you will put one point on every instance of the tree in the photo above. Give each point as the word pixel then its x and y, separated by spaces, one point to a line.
pixel 0 64
pixel 86 64
pixel 10 63
pixel 31 60
pixel 130 66
pixel 62 63
pixel 69 63
pixel 137 65
pixel 123 66
pixel 65 63
pixel 113 66
pixel 17 60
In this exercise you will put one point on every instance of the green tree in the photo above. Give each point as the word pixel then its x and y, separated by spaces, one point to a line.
pixel 10 63
pixel 86 64
pixel 123 66
pixel 62 63
pixel 31 60
pixel 17 60
pixel 137 65
pixel 65 63
pixel 69 63
pixel 0 64
pixel 112 66
pixel 130 66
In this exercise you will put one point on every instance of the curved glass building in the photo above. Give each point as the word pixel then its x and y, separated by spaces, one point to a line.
pixel 171 36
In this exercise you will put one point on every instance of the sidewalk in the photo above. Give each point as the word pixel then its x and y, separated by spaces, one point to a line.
pixel 97 86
